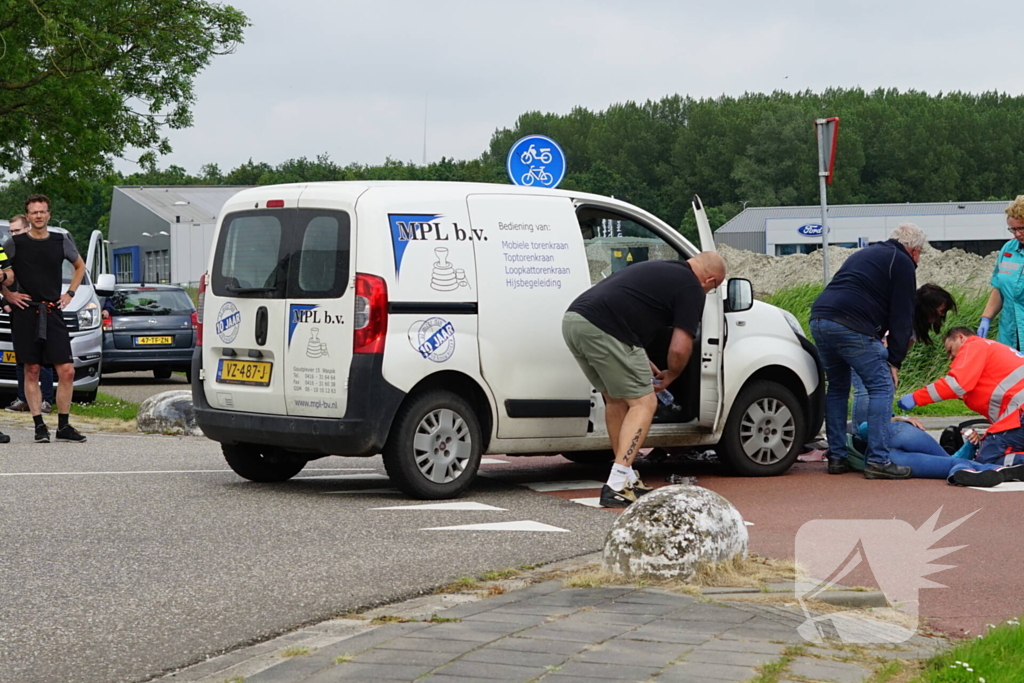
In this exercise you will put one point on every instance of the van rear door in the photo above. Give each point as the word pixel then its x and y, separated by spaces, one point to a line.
pixel 246 306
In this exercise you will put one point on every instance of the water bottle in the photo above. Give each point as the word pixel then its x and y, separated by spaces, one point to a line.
pixel 665 396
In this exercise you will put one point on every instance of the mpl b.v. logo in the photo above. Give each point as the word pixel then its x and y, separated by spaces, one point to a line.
pixel 898 556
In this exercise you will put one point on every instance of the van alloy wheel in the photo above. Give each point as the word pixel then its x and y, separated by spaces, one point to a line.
pixel 767 431
pixel 443 446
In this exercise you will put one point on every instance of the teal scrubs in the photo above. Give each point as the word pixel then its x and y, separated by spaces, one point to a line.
pixel 1006 277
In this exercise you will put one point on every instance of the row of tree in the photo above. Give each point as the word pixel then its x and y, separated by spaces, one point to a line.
pixel 754 150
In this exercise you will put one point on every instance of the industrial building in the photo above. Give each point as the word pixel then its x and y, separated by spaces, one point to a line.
pixel 164 233
pixel 976 227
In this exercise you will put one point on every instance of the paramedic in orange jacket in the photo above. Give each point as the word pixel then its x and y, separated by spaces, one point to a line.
pixel 989 378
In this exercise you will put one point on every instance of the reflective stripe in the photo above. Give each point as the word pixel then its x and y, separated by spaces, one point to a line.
pixel 955 386
pixel 934 393
pixel 1008 459
pixel 999 393
pixel 1014 404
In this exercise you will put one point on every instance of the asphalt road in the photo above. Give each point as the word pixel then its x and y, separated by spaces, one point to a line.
pixel 136 387
pixel 131 555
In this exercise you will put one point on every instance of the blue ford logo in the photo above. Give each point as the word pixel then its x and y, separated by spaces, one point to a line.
pixel 810 230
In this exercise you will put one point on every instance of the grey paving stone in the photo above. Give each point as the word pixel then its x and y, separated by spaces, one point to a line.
pixel 499 617
pixel 833 672
pixel 364 641
pixel 488 671
pixel 744 632
pixel 428 645
pixel 699 671
pixel 542 610
pixel 466 633
pixel 689 626
pixel 705 611
pixel 293 669
pixel 413 657
pixel 442 678
pixel 360 672
pixel 518 644
pixel 493 655
pixel 724 590
pixel 733 658
pixel 595 633
pixel 669 635
pixel 758 646
pixel 640 597
pixel 610 618
pixel 635 608
pixel 604 671
pixel 635 652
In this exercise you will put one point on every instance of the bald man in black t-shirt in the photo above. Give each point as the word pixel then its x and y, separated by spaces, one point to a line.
pixel 607 329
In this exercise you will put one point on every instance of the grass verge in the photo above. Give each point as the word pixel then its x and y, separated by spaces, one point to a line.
pixel 993 658
pixel 107 407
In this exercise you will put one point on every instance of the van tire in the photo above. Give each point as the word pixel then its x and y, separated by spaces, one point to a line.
pixel 162 373
pixel 264 464
pixel 765 416
pixel 590 457
pixel 444 417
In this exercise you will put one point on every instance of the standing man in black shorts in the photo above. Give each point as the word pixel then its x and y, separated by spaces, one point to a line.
pixel 607 329
pixel 36 260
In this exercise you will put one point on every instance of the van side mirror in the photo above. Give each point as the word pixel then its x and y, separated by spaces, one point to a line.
pixel 740 295
pixel 105 284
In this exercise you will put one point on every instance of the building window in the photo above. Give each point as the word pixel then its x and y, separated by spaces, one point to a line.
pixel 123 266
pixel 158 266
pixel 787 249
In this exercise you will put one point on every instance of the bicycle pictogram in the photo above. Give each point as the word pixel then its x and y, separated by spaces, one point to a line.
pixel 543 155
pixel 539 174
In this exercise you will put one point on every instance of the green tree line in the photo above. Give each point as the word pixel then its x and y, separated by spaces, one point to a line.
pixel 753 150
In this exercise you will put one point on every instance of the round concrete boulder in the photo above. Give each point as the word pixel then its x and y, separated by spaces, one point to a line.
pixel 168 413
pixel 672 531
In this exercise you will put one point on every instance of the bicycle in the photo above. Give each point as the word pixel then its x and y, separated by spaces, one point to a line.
pixel 538 173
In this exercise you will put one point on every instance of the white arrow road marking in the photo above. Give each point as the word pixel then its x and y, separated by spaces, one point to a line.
pixel 465 505
pixel 493 461
pixel 549 486
pixel 749 523
pixel 499 526
pixel 589 502
pixel 1002 488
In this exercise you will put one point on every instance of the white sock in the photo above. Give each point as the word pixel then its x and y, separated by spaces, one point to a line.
pixel 633 476
pixel 619 476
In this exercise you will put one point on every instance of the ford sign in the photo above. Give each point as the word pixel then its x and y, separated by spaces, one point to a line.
pixel 810 230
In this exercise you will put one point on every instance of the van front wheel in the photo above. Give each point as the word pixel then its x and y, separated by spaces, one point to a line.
pixel 265 464
pixel 764 433
pixel 433 451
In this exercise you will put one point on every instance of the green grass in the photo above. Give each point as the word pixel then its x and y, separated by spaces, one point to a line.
pixel 994 658
pixel 924 364
pixel 106 406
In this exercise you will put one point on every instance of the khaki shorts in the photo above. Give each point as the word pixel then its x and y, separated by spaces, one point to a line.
pixel 612 367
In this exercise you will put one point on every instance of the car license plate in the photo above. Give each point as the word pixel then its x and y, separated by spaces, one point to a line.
pixel 255 373
pixel 9 357
pixel 153 341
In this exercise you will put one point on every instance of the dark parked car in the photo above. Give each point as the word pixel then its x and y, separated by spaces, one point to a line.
pixel 148 327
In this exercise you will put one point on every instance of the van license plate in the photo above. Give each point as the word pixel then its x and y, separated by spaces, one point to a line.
pixel 9 357
pixel 255 373
pixel 153 341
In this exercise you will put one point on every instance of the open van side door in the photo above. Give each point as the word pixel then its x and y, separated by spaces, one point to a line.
pixel 96 260
pixel 712 335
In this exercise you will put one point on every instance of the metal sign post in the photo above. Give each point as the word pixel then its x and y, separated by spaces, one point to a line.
pixel 827 131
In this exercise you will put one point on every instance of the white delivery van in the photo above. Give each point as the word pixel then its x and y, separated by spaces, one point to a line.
pixel 422 320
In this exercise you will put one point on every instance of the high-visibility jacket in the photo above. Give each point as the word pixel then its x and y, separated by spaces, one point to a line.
pixel 988 377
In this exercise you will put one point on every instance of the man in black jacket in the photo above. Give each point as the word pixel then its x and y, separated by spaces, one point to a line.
pixel 871 296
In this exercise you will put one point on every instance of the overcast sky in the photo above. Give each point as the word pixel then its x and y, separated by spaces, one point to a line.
pixel 353 79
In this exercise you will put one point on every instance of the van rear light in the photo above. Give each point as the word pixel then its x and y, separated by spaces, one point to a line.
pixel 275 204
pixel 371 315
pixel 197 317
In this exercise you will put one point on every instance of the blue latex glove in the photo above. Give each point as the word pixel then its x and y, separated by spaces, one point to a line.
pixel 983 327
pixel 906 402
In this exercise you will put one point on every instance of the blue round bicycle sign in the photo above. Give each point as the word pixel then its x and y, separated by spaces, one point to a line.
pixel 536 160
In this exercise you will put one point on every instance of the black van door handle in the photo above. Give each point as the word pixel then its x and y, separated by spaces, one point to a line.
pixel 261 325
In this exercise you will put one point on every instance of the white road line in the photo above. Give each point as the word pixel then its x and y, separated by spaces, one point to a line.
pixel 463 505
pixel 748 523
pixel 499 526
pixel 392 491
pixel 1008 487
pixel 549 486
pixel 589 502
pixel 51 474
pixel 493 461
pixel 368 476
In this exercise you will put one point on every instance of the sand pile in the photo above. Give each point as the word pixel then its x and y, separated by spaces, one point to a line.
pixel 954 269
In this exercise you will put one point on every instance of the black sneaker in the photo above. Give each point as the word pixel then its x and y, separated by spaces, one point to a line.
pixel 69 433
pixel 610 498
pixel 4 438
pixel 838 465
pixel 42 434
pixel 1012 473
pixel 985 478
pixel 640 488
pixel 889 470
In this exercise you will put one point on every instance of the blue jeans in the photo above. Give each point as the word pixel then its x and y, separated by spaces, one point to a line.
pixel 860 399
pixel 842 350
pixel 995 446
pixel 45 382
pixel 913 448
